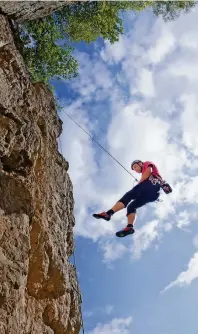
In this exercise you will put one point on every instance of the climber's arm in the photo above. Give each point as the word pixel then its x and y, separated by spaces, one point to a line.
pixel 146 174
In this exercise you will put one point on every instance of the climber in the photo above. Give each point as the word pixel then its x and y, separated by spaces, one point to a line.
pixel 147 190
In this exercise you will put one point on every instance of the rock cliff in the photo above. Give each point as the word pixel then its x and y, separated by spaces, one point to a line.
pixel 21 11
pixel 39 292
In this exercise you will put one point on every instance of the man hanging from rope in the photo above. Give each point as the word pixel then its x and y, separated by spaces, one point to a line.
pixel 146 191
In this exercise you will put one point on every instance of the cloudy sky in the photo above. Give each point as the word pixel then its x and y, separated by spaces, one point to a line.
pixel 139 99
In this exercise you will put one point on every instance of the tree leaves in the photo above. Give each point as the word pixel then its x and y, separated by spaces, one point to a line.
pixel 170 10
pixel 46 43
pixel 45 56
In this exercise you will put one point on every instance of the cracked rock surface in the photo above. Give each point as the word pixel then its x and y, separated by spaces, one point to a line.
pixel 21 11
pixel 39 292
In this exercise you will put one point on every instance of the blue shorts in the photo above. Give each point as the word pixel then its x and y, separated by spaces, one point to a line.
pixel 143 193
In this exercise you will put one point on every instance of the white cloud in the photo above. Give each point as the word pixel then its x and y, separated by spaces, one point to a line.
pixel 163 46
pixel 92 79
pixel 151 114
pixel 144 237
pixel 190 122
pixel 145 85
pixel 113 250
pixel 116 326
pixel 189 40
pixel 114 53
pixel 165 208
pixel 183 219
pixel 186 277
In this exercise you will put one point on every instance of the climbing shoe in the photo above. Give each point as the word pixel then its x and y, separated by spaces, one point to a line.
pixel 102 215
pixel 126 231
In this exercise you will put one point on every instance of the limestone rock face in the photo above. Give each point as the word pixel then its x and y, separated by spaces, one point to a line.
pixel 29 10
pixel 39 292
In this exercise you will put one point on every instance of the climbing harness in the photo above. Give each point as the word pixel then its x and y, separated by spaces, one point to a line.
pixel 164 185
pixel 135 180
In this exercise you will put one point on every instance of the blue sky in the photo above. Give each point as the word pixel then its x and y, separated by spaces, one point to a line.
pixel 139 99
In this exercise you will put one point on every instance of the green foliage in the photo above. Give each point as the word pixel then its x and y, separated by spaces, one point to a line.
pixel 46 57
pixel 46 43
pixel 86 21
pixel 170 10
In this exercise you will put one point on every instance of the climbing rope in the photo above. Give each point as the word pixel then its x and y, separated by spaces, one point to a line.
pixel 69 116
pixel 79 294
pixel 178 142
pixel 74 258
pixel 135 180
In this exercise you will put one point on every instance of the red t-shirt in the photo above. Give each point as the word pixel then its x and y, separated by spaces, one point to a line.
pixel 147 164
